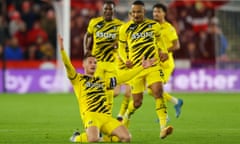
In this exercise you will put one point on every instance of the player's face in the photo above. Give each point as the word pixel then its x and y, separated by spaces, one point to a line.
pixel 158 14
pixel 108 11
pixel 137 13
pixel 90 65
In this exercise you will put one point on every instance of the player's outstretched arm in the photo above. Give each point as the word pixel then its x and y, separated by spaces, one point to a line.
pixel 71 72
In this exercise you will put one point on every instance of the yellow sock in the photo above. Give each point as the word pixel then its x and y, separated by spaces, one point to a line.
pixel 107 138
pixel 81 138
pixel 161 110
pixel 170 98
pixel 131 109
pixel 167 96
pixel 124 106
pixel 110 94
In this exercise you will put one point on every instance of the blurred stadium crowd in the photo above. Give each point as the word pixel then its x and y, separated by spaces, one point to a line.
pixel 28 29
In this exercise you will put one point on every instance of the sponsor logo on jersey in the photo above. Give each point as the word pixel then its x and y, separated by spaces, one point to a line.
pixel 105 35
pixel 94 85
pixel 142 35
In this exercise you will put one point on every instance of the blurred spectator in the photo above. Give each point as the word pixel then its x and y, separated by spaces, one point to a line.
pixel 217 38
pixel 13 51
pixel 4 35
pixel 78 29
pixel 1 51
pixel 206 44
pixel 48 23
pixel 15 22
pixel 21 35
pixel 193 52
pixel 47 51
pixel 36 32
pixel 199 17
pixel 76 48
pixel 27 14
pixel 193 22
pixel 10 10
pixel 32 53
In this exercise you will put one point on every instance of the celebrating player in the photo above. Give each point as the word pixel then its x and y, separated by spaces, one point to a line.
pixel 90 91
pixel 141 36
pixel 103 32
pixel 122 67
pixel 169 40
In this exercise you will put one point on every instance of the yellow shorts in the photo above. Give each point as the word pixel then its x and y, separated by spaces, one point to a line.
pixel 104 122
pixel 146 78
pixel 106 69
pixel 167 72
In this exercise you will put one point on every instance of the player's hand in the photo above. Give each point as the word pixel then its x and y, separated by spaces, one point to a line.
pixel 129 64
pixel 60 42
pixel 149 62
pixel 163 56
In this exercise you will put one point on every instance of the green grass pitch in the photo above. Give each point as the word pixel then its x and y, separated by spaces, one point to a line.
pixel 210 118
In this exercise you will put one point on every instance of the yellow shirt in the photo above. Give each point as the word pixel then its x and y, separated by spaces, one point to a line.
pixel 91 91
pixel 168 34
pixel 105 36
pixel 141 41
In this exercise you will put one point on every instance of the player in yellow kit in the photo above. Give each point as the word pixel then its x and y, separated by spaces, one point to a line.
pixel 91 91
pixel 102 35
pixel 122 67
pixel 169 40
pixel 141 36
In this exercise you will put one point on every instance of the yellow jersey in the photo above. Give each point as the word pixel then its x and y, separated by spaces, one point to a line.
pixel 105 37
pixel 91 91
pixel 140 40
pixel 168 34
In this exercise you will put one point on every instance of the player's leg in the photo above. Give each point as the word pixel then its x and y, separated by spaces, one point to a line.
pixel 138 86
pixel 116 132
pixel 155 83
pixel 91 135
pixel 176 101
pixel 102 73
pixel 125 102
pixel 110 95
pixel 110 70
pixel 79 137
pixel 117 90
pixel 122 133
pixel 133 105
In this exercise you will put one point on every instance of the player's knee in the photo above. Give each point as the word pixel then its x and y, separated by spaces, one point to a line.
pixel 125 138
pixel 137 104
pixel 116 93
pixel 128 94
pixel 158 94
